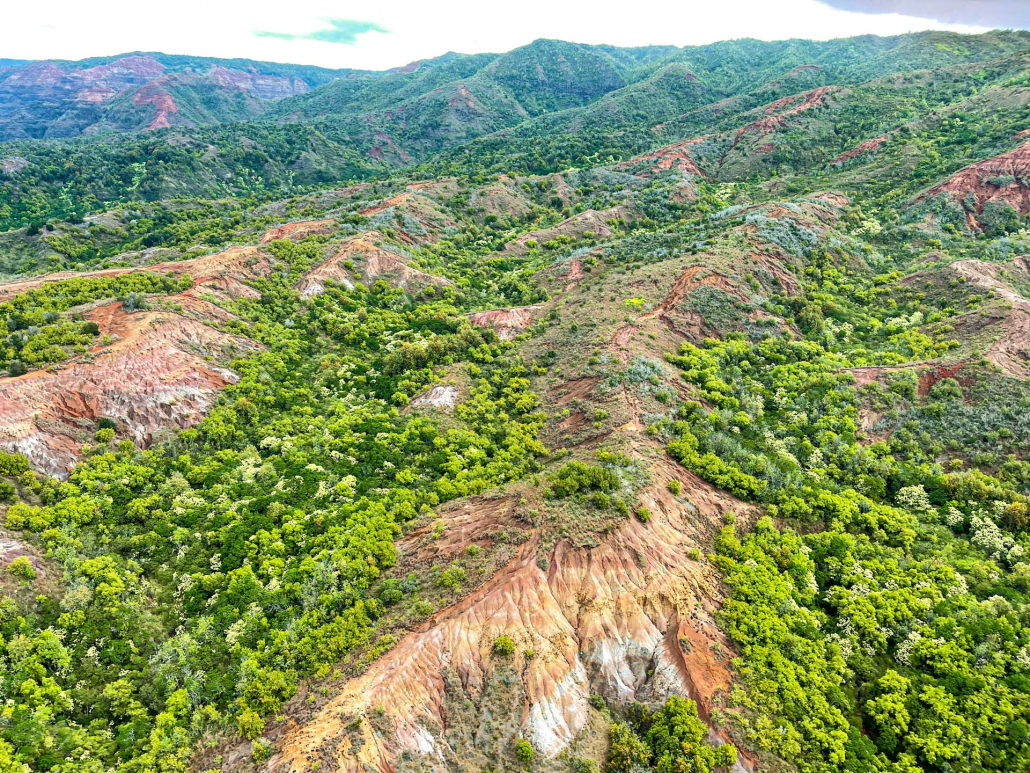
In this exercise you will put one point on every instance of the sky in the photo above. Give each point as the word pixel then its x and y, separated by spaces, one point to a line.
pixel 340 33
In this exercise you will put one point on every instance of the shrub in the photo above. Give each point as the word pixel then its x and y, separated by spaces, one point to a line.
pixel 452 577
pixel 627 752
pixel 675 487
pixel 250 724
pixel 573 477
pixel 503 645
pixel 524 751
pixel 678 740
pixel 13 464
pixel 643 514
pixel 946 390
pixel 21 568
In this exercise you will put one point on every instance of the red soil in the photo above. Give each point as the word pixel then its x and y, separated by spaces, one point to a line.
pixel 155 375
pixel 671 156
pixel 858 150
pixel 982 182
pixel 371 263
pixel 299 230
pixel 507 323
pixel 777 112
pixel 153 94
pixel 630 618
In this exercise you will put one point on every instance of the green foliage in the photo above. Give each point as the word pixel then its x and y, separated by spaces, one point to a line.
pixel 33 333
pixel 672 740
pixel 208 576
pixel 575 477
pixel 878 628
pixel 626 749
pixel 678 741
pixel 524 751
pixel 21 568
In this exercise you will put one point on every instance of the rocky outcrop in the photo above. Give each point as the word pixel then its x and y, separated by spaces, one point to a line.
pixel 1002 180
pixel 442 397
pixel 161 370
pixel 630 619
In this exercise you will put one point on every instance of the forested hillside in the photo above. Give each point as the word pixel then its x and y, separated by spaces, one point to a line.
pixel 565 410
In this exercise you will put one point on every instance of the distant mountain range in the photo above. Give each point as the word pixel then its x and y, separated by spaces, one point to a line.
pixel 59 99
pixel 411 112
pixel 144 127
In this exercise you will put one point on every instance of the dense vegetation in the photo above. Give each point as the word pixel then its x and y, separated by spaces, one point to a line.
pixel 260 534
pixel 835 367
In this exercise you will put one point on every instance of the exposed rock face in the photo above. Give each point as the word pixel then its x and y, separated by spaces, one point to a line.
pixel 1004 179
pixel 155 96
pixel 371 263
pixel 675 157
pixel 443 397
pixel 268 87
pixel 777 112
pixel 156 375
pixel 630 619
pixel 507 323
pixel 298 230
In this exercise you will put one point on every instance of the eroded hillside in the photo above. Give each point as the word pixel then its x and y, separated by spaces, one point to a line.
pixel 491 468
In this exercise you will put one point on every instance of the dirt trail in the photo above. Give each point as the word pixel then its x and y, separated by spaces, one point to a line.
pixel 686 283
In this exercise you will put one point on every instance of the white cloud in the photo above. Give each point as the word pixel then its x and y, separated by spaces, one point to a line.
pixel 72 29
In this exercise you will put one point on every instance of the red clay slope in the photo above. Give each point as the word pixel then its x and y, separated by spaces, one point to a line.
pixel 155 375
pixel 1003 178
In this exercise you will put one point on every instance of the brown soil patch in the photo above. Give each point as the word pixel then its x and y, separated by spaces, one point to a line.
pixel 631 619
pixel 675 156
pixel 297 231
pixel 507 323
pixel 998 179
pixel 865 147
